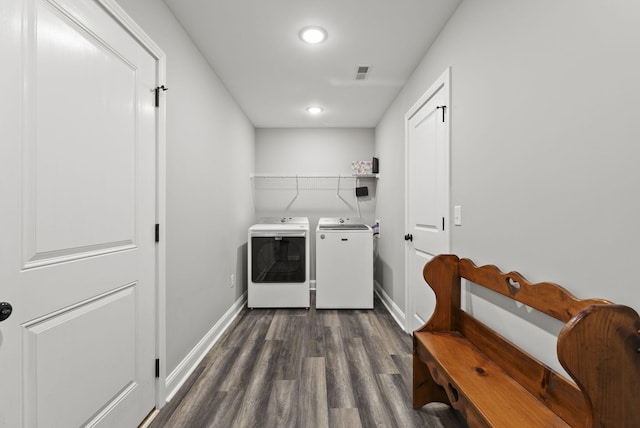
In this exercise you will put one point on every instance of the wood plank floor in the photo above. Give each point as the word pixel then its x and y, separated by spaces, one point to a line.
pixel 305 368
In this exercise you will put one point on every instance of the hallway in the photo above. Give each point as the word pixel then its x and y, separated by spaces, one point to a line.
pixel 305 368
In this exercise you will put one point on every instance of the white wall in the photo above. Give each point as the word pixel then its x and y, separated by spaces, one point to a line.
pixel 210 152
pixel 545 149
pixel 312 151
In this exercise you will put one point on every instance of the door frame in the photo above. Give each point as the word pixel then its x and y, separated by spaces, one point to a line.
pixel 120 16
pixel 442 82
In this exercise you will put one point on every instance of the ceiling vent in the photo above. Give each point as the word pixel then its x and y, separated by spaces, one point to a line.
pixel 362 72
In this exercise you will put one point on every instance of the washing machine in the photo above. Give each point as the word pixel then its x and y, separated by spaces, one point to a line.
pixel 344 264
pixel 278 263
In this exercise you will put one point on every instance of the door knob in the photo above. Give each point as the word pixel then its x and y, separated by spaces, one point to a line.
pixel 408 237
pixel 5 310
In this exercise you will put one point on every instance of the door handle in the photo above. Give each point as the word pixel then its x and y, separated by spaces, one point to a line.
pixel 408 237
pixel 5 310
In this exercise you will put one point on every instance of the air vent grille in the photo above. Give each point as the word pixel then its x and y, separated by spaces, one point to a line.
pixel 362 72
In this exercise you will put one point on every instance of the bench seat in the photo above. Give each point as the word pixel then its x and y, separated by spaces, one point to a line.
pixel 465 370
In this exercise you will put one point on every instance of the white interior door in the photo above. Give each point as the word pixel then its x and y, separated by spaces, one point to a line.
pixel 78 195
pixel 427 195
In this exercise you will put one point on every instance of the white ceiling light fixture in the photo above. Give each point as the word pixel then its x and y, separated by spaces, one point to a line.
pixel 313 35
pixel 314 110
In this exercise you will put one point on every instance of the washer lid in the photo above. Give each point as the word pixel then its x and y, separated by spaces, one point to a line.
pixel 344 227
pixel 340 223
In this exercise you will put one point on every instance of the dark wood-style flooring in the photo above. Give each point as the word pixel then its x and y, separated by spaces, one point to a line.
pixel 305 368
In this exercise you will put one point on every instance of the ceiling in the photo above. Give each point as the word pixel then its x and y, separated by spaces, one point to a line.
pixel 253 46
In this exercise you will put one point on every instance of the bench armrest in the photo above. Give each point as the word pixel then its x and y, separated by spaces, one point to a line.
pixel 441 274
pixel 600 349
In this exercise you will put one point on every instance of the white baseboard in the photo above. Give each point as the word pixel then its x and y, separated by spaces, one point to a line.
pixel 179 376
pixel 391 306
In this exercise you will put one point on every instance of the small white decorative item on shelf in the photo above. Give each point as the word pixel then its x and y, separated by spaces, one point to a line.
pixel 361 168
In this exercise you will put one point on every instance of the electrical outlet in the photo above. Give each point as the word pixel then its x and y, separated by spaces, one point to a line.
pixel 376 229
pixel 233 281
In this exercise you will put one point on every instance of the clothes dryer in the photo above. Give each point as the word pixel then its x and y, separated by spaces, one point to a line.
pixel 278 263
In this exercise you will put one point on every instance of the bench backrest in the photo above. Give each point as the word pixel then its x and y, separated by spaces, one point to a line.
pixel 599 346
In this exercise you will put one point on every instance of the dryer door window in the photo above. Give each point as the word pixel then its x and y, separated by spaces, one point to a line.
pixel 278 259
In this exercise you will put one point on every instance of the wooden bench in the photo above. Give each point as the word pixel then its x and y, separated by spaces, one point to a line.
pixel 462 362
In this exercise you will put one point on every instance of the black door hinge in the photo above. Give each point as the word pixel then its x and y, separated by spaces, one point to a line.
pixel 443 224
pixel 158 89
pixel 158 368
pixel 157 232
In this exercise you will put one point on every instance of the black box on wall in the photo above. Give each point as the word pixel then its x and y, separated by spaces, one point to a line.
pixel 362 191
pixel 375 166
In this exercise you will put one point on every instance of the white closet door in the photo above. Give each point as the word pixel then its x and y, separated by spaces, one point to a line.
pixel 78 194
pixel 428 196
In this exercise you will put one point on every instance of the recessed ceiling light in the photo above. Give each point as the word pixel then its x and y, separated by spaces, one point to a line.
pixel 313 34
pixel 314 110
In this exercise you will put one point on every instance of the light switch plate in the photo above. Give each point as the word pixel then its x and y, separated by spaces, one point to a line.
pixel 457 215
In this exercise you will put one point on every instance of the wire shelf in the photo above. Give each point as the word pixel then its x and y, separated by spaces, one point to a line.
pixel 304 182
